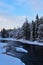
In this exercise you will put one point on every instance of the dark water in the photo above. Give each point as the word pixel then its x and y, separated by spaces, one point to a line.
pixel 33 57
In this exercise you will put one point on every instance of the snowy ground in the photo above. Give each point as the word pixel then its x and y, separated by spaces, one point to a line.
pixel 8 60
pixel 23 41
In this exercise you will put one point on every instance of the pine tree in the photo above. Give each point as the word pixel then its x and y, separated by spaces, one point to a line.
pixel 37 17
pixel 26 30
pixel 36 26
pixel 4 33
pixel 40 32
pixel 33 30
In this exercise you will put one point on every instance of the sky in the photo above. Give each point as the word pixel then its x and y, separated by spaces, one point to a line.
pixel 14 12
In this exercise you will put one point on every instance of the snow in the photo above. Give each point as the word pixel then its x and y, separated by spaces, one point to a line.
pixel 8 60
pixel 8 39
pixel 31 42
pixel 21 49
pixel 24 41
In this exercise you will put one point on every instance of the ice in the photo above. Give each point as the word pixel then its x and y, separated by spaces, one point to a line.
pixel 21 49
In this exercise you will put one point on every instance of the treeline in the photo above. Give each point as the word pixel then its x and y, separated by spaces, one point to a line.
pixel 29 31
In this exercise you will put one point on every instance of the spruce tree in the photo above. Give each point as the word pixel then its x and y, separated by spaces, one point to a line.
pixel 4 33
pixel 26 30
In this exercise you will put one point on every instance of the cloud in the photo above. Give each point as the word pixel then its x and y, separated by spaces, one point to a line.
pixel 11 21
pixel 35 5
pixel 6 9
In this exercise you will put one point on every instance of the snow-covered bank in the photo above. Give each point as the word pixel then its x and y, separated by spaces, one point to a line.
pixel 30 42
pixel 23 41
pixel 12 39
pixel 8 60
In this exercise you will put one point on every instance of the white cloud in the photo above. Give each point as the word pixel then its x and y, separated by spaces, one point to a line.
pixel 35 5
pixel 16 21
pixel 11 21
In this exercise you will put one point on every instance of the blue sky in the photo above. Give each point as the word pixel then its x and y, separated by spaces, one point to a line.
pixel 14 12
